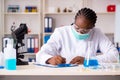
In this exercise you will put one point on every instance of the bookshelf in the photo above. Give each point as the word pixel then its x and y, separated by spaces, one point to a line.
pixel 105 20
pixel 21 16
pixel 31 16
pixel 50 8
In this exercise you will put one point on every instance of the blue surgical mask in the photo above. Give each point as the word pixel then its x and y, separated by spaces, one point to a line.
pixel 80 36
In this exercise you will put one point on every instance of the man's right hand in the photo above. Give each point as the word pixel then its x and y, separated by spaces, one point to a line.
pixel 56 60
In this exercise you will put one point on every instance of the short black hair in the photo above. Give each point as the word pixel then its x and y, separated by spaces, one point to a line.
pixel 88 14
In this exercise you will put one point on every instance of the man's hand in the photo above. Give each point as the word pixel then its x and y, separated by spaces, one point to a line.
pixel 77 60
pixel 56 60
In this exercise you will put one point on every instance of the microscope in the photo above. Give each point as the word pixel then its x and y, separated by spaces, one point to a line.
pixel 18 36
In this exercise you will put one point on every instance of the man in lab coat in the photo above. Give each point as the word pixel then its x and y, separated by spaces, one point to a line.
pixel 71 44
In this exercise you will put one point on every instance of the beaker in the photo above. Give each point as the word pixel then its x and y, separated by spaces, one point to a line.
pixel 90 61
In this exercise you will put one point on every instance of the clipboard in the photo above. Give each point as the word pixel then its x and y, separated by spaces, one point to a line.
pixel 57 66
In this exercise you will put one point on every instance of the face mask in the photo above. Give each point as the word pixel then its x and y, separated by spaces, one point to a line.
pixel 80 36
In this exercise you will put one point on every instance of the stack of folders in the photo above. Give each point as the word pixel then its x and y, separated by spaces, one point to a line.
pixel 48 24
pixel 32 43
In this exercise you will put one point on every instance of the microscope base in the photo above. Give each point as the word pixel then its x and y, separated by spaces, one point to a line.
pixel 20 62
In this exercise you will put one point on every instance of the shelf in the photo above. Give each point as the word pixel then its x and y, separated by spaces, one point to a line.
pixel 102 13
pixel 105 13
pixel 48 33
pixel 29 54
pixel 70 13
pixel 23 13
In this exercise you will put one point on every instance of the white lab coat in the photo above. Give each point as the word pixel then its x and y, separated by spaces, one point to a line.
pixel 62 42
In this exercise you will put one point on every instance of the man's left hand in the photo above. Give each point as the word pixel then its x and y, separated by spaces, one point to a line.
pixel 77 60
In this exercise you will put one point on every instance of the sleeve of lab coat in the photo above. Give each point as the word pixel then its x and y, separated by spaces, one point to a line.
pixel 110 53
pixel 50 49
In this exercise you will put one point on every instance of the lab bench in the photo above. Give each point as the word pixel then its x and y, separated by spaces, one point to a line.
pixel 46 73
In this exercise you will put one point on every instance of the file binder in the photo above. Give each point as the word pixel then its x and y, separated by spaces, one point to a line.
pixel 46 38
pixel 28 45
pixel 46 24
pixel 50 24
pixel 32 45
pixel 36 45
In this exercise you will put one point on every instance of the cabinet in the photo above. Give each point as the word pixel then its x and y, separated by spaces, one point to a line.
pixel 55 9
pixel 22 11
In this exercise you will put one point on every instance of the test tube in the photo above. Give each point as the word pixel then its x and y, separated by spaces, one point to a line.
pixel 89 51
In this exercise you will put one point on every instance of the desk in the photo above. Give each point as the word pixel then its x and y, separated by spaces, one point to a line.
pixel 28 70
pixel 34 72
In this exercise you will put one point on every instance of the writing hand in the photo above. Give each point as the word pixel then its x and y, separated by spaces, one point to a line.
pixel 77 60
pixel 56 60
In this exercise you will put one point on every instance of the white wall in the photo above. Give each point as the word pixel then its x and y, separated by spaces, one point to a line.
pixel 1 32
pixel 117 24
pixel 106 22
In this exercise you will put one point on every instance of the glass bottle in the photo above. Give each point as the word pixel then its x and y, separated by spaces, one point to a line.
pixel 10 56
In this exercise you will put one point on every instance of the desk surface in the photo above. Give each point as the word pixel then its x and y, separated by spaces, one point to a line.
pixel 27 70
